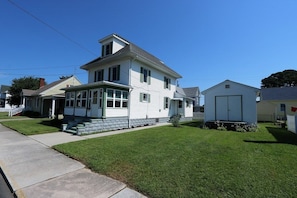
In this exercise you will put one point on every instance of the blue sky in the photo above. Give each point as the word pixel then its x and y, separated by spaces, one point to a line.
pixel 206 42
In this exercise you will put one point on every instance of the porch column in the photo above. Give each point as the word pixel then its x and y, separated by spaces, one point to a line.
pixel 53 107
pixel 104 103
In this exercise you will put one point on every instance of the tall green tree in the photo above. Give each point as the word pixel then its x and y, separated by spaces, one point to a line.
pixel 22 83
pixel 281 79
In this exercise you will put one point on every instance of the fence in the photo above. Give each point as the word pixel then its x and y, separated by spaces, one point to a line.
pixel 292 123
pixel 15 111
pixel 198 116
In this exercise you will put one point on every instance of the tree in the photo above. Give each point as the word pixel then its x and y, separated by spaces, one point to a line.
pixel 19 84
pixel 286 78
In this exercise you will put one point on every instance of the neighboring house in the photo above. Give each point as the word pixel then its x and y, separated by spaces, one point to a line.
pixel 127 87
pixel 4 97
pixel 277 102
pixel 193 93
pixel 49 99
pixel 230 101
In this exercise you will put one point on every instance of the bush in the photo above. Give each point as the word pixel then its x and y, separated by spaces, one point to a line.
pixel 175 120
pixel 31 114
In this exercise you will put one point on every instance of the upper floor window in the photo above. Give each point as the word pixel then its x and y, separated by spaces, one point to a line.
pixel 114 73
pixel 99 75
pixel 167 83
pixel 106 49
pixel 180 104
pixel 145 75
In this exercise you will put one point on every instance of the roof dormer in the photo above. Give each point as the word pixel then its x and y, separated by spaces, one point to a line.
pixel 111 44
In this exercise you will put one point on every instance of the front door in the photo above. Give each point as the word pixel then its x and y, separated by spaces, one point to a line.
pixel 229 108
pixel 96 103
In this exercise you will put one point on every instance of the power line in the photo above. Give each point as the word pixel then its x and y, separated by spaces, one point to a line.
pixel 34 68
pixel 52 28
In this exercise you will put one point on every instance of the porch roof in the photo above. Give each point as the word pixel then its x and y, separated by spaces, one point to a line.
pixel 96 85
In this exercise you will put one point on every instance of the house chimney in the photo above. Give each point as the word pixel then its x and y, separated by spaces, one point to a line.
pixel 41 82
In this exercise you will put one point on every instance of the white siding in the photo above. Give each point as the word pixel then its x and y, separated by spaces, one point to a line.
pixel 154 108
pixel 124 73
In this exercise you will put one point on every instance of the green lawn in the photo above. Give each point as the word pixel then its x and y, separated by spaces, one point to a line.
pixel 34 126
pixel 193 162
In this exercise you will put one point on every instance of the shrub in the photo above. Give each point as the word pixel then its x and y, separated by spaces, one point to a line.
pixel 175 120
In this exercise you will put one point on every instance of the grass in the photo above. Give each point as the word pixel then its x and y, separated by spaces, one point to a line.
pixel 193 162
pixel 34 126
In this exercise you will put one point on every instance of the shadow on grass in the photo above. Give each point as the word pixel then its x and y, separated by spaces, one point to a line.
pixel 53 123
pixel 281 135
pixel 193 124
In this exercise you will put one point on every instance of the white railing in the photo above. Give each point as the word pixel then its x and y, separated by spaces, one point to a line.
pixel 15 111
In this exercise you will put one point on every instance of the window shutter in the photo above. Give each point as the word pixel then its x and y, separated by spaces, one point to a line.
pixel 102 74
pixel 141 74
pixel 110 48
pixel 169 83
pixel 164 102
pixel 95 76
pixel 164 82
pixel 102 50
pixel 118 72
pixel 149 77
pixel 148 97
pixel 140 97
pixel 109 74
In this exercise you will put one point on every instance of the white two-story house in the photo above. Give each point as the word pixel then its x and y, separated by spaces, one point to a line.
pixel 127 87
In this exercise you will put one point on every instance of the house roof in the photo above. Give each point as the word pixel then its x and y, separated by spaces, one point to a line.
pixel 180 93
pixel 28 92
pixel 4 88
pixel 192 91
pixel 279 93
pixel 228 81
pixel 49 86
pixel 137 53
pixel 96 84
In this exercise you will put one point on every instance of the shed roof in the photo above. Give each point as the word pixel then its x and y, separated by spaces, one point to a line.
pixel 228 81
pixel 279 93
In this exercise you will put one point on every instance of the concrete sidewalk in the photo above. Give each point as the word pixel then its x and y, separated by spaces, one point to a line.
pixel 35 170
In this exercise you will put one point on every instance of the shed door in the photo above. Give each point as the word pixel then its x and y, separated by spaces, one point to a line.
pixel 229 108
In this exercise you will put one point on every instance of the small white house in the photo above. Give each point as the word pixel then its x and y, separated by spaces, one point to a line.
pixel 127 87
pixel 230 101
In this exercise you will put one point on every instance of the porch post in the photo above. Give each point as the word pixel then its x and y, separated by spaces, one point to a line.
pixel 104 103
pixel 53 107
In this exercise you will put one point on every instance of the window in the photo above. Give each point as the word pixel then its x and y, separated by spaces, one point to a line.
pixel 99 75
pixel 114 73
pixel 166 102
pixel 69 99
pixel 117 98
pixel 106 49
pixel 81 99
pixel 145 75
pixel 180 104
pixel 144 97
pixel 187 103
pixel 167 83
pixel 227 86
